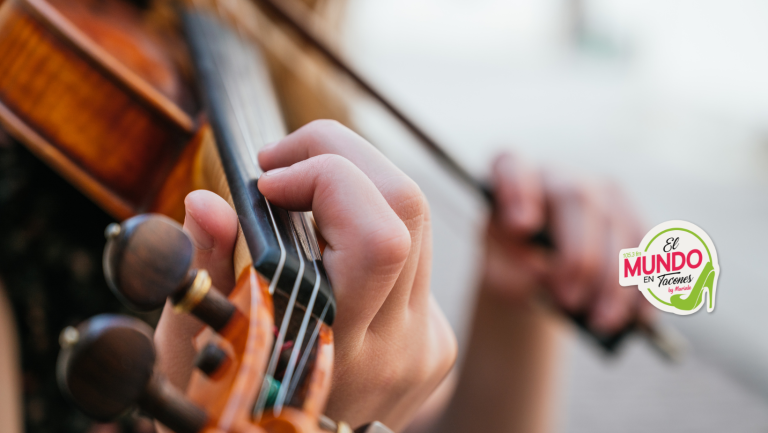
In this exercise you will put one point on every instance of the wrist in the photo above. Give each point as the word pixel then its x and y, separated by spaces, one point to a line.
pixel 507 378
pixel 513 288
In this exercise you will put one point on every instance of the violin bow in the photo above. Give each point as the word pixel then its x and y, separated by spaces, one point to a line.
pixel 297 17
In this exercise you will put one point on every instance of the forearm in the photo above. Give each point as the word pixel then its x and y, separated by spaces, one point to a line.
pixel 507 378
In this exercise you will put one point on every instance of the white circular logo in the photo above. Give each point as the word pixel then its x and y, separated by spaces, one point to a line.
pixel 675 267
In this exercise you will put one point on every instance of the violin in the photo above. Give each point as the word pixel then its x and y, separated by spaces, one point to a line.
pixel 89 88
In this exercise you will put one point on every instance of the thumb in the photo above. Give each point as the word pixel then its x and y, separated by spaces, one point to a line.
pixel 212 225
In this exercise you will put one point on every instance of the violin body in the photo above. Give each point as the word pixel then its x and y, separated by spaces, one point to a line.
pixel 88 88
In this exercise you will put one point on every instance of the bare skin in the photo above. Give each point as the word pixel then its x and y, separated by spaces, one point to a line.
pixel 588 222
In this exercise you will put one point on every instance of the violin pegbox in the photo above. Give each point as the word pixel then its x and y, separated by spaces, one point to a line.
pixel 149 260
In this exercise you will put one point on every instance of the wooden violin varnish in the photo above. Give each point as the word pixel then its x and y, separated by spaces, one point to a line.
pixel 88 88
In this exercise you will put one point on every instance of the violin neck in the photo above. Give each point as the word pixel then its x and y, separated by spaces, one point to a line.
pixel 244 115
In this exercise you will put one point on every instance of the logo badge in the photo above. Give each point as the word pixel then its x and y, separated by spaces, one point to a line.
pixel 674 267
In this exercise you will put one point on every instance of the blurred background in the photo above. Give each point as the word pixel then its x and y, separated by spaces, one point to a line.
pixel 668 99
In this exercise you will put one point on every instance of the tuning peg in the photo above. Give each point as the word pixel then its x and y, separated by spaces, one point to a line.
pixel 148 258
pixel 211 359
pixel 106 366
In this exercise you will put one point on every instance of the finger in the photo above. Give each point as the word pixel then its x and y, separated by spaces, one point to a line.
pixel 367 244
pixel 401 193
pixel 420 297
pixel 614 306
pixel 624 213
pixel 212 225
pixel 519 196
pixel 618 306
pixel 576 225
pixel 330 137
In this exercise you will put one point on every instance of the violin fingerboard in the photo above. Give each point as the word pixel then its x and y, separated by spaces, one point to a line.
pixel 244 114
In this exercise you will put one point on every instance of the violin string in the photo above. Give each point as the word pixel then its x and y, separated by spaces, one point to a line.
pixel 277 344
pixel 261 401
pixel 279 341
pixel 302 330
pixel 246 134
pixel 250 114
pixel 316 257
pixel 275 357
pixel 305 357
pixel 314 252
pixel 289 382
pixel 281 263
pixel 260 404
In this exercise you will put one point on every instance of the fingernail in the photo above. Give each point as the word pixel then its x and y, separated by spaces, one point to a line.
pixel 201 238
pixel 274 171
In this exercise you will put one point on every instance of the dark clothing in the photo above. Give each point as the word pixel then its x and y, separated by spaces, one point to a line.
pixel 51 241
